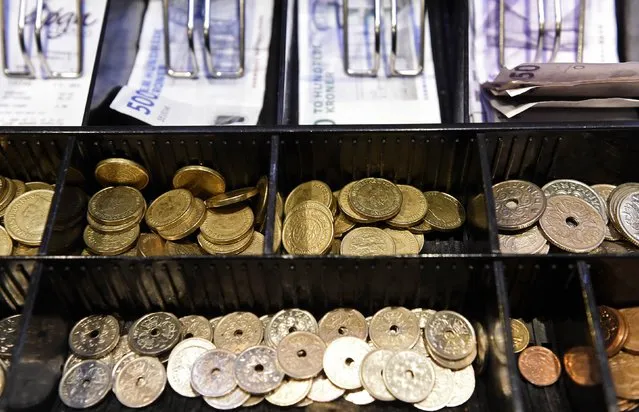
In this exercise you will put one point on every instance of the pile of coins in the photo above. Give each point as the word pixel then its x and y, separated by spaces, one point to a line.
pixel 392 218
pixel 567 214
pixel 8 339
pixel 422 357
pixel 24 208
pixel 621 337
pixel 224 222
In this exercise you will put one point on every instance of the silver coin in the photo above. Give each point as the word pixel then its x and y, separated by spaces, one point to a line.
pixel 442 392
pixel 359 397
pixel 194 326
pixel 121 349
pixel 409 376
pixel 615 198
pixel 424 316
pixel 140 382
pixel 453 364
pixel 420 347
pixel 9 334
pixel 450 335
pixel 342 361
pixel 212 374
pixel 73 360
pixel 394 328
pixel 323 390
pixel 257 371
pixel 233 400
pixel 577 189
pixel 612 234
pixel 372 371
pixel 342 322
pixel 304 403
pixel 290 392
pixel 181 361
pixel 155 333
pixel 628 217
pixel 464 384
pixel 85 384
pixel 301 355
pixel 94 336
pixel 518 204
pixel 482 347
pixel 288 321
pixel 253 400
pixel 213 322
pixel 526 242
pixel 125 360
pixel 238 331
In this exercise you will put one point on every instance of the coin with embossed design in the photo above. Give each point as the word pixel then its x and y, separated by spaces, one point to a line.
pixel 308 230
pixel 94 336
pixel 168 209
pixel 202 181
pixel 290 392
pixel 188 225
pixel 627 213
pixel 371 374
pixel 25 218
pixel 121 172
pixel 405 242
pixel 452 364
pixel 445 212
pixel 114 206
pixel 367 241
pixel 518 204
pixel 520 334
pixel 256 246
pixel 182 248
pixel 342 361
pixel 577 189
pixel 342 322
pixel 227 225
pixel 140 382
pixel 301 354
pixel 85 384
pixel 150 244
pixel 257 370
pixel 394 328
pixel 580 365
pixel 195 326
pixel 409 376
pixel 226 249
pixel 631 316
pixel 539 366
pixel 312 190
pixel 181 361
pixel 572 224
pixel 375 198
pixel 125 360
pixel 450 335
pixel 9 334
pixel 345 206
pixel 526 242
pixel 442 392
pixel 413 209
pixel 238 331
pixel 110 244
pixel 614 328
pixel 323 390
pixel 155 333
pixel 6 244
pixel 288 321
pixel 624 368
pixel 212 373
pixel 342 224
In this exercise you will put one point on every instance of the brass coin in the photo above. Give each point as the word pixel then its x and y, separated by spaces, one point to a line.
pixel 117 205
pixel 37 186
pixel 98 227
pixel 313 190
pixel 345 206
pixel 232 197
pixel 22 250
pixel 421 228
pixel 192 222
pixel 518 204
pixel 301 354
pixel 110 244
pixel 73 208
pixel 182 248
pixel 342 322
pixel 201 181
pixel 624 368
pixel 581 366
pixel 261 200
pixel 375 198
pixel 395 328
pixel 277 235
pixel 539 366
pixel 572 224
pixel 444 211
pixel 308 231
pixel 227 249
pixel 631 316
pixel 256 247
pixel 7 195
pixel 615 329
pixel 413 209
pixel 238 331
pixel 121 172
pixel 150 244
pixel 336 246
pixel 26 217
pixel 227 225
pixel 334 207
pixel 313 205
pixel 21 187
pixel 368 241
pixel 342 224
pixel 405 242
pixel 279 205
pixel 169 209
pixel 420 240
pixel 520 334
pixel 6 244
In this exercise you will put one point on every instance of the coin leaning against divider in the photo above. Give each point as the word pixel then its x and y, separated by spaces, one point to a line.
pixel 444 212
pixel 121 172
pixel 232 197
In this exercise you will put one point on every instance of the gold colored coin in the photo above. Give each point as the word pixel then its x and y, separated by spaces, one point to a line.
pixel 375 198
pixel 169 209
pixel 342 224
pixel 6 244
pixel 121 172
pixel 37 186
pixel 73 208
pixel 413 209
pixel 256 247
pixel 110 244
pixel 313 190
pixel 183 248
pixel 277 234
pixel 150 244
pixel 334 207
pixel 227 225
pixel 421 228
pixel 202 181
pixel 444 211
pixel 226 249
pixel 192 222
pixel 22 250
pixel 308 231
pixel 7 195
pixel 313 205
pixel 345 206
pixel 624 368
pixel 261 200
pixel 279 205
pixel 26 217
pixel 336 246
pixel 420 240
pixel 405 242
pixel 521 336
pixel 368 241
pixel 115 229
pixel 114 206
pixel 21 187
pixel 232 197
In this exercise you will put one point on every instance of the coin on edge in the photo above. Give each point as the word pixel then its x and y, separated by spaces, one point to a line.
pixel 290 392
pixel 631 316
pixel 212 373
pixel 371 374
pixel 85 384
pixel 409 376
pixel 140 382
pixel 155 333
pixel 614 328
pixel 342 361
pixel 6 243
pixel 539 366
pixel 231 198
pixel 394 328
pixel 520 334
pixel 581 366
pixel 518 204
pixel 94 336
pixel 445 212
pixel 257 371
pixel 342 322
pixel 121 172
pixel 201 181
pixel 181 362
pixel 301 355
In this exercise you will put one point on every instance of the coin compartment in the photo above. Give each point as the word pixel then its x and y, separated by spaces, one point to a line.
pixel 427 160
pixel 554 298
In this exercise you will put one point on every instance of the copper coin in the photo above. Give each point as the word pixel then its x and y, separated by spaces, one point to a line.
pixel 580 365
pixel 615 329
pixel 539 366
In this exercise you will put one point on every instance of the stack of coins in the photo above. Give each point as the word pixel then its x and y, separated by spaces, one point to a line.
pixel 287 359
pixel 566 214
pixel 24 208
pixel 8 339
pixel 392 218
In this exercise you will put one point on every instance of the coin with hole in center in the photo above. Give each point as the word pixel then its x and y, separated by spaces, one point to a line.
pixel 394 328
pixel 212 373
pixel 85 384
pixel 257 371
pixel 342 322
pixel 181 361
pixel 575 188
pixel 288 321
pixel 140 382
pixel 194 326
pixel 359 397
pixel 450 335
pixel 372 374
pixel 464 384
pixel 155 333
pixel 442 392
pixel 301 355
pixel 518 204
pixel 290 392
pixel 409 376
pixel 323 390
pixel 342 361
pixel 238 331
pixel 94 336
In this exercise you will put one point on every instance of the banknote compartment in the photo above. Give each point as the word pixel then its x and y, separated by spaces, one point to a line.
pixel 554 299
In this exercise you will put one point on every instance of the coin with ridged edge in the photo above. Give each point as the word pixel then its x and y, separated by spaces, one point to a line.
pixel 202 181
pixel 405 242
pixel 231 198
pixel 342 361
pixel 261 201
pixel 627 214
pixel 444 211
pixel 182 248
pixel 238 331
pixel 168 209
pixel 114 206
pixel 227 249
pixel 413 209
pixel 301 355
pixel 257 370
pixel 85 384
pixel 110 244
pixel 121 172
pixel 192 222
pixel 520 334
pixel 227 225
pixel 342 322
pixel 25 218
pixel 367 241
pixel 155 333
pixel 394 328
pixel 94 336
pixel 518 204
pixel 409 376
pixel 375 198
pixel 140 382
pixel 181 361
pixel 575 188
pixel 212 373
